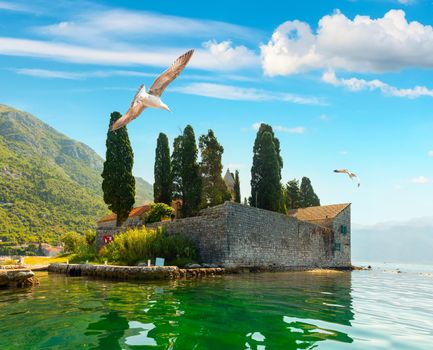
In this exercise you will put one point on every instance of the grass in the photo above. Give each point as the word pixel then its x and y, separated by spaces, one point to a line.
pixel 45 260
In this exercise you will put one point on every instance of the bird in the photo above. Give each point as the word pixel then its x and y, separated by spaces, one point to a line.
pixel 351 175
pixel 152 98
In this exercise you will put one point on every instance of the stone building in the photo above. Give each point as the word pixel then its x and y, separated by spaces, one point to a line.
pixel 335 217
pixel 236 235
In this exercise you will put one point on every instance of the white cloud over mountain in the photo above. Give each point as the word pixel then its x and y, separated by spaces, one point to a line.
pixel 363 44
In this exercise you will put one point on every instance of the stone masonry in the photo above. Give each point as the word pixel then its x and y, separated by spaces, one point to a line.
pixel 234 235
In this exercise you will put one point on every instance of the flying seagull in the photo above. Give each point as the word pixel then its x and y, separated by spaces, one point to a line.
pixel 351 175
pixel 152 98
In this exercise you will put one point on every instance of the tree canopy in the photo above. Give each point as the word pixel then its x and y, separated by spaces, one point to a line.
pixel 214 189
pixel 266 189
pixel 187 182
pixel 308 197
pixel 162 171
pixel 118 183
pixel 293 195
pixel 237 187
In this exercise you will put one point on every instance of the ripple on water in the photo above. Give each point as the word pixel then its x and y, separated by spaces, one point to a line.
pixel 295 310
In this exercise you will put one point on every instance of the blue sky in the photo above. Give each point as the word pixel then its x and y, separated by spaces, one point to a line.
pixel 343 83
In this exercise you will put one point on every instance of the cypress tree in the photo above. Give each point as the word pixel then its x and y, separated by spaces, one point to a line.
pixel 176 170
pixel 190 174
pixel 162 171
pixel 214 189
pixel 118 183
pixel 266 189
pixel 237 188
pixel 293 195
pixel 308 197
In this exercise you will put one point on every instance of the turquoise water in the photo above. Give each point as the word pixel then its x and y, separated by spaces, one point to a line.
pixel 379 309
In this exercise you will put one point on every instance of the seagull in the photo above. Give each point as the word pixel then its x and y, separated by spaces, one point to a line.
pixel 351 175
pixel 143 99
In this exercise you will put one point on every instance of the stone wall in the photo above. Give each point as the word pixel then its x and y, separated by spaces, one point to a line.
pixel 207 232
pixel 235 235
pixel 342 256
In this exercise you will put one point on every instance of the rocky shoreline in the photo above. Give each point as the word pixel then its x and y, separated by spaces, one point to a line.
pixel 17 278
pixel 140 273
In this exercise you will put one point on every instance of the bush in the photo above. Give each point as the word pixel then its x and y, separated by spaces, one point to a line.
pixel 141 244
pixel 71 241
pixel 83 248
pixel 158 212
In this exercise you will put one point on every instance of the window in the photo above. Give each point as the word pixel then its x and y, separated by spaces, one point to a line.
pixel 343 229
pixel 337 247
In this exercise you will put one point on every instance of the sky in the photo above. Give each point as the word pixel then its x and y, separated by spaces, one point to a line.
pixel 345 84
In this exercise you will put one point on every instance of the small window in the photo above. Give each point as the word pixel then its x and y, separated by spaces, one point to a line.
pixel 337 247
pixel 343 229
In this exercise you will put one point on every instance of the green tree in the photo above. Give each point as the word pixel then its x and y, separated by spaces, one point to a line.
pixel 162 171
pixel 176 168
pixel 308 197
pixel 191 179
pixel 214 190
pixel 293 194
pixel 118 183
pixel 72 241
pixel 266 189
pixel 237 188
pixel 158 212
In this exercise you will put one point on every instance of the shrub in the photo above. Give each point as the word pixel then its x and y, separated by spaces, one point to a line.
pixel 141 244
pixel 71 241
pixel 158 212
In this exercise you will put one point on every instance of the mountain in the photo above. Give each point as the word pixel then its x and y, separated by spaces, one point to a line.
pixel 49 183
pixel 401 242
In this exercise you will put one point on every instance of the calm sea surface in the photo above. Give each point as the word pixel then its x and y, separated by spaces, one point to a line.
pixel 378 309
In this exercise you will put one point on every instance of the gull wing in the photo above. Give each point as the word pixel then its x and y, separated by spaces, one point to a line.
pixel 133 112
pixel 170 74
pixel 136 94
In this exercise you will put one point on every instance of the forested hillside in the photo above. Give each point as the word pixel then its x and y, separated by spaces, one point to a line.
pixel 49 183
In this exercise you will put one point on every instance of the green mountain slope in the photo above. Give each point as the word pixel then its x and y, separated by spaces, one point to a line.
pixel 49 183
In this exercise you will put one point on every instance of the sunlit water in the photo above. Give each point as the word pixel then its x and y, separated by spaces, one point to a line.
pixel 378 309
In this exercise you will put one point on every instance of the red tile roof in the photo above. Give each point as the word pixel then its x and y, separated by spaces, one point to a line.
pixel 133 213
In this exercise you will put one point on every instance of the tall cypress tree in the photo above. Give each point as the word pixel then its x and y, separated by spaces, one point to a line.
pixel 162 171
pixel 190 174
pixel 293 195
pixel 214 190
pixel 118 183
pixel 237 188
pixel 176 168
pixel 308 197
pixel 266 189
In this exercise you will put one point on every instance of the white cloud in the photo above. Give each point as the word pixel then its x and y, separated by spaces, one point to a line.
pixel 430 153
pixel 422 180
pixel 104 25
pixel 296 130
pixel 55 74
pixel 229 92
pixel 363 44
pixel 323 117
pixel 9 6
pixel 344 153
pixel 160 57
pixel 355 84
pixel 224 53
pixel 406 2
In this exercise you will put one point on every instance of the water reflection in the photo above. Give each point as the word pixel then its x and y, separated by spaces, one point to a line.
pixel 256 311
pixel 290 311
